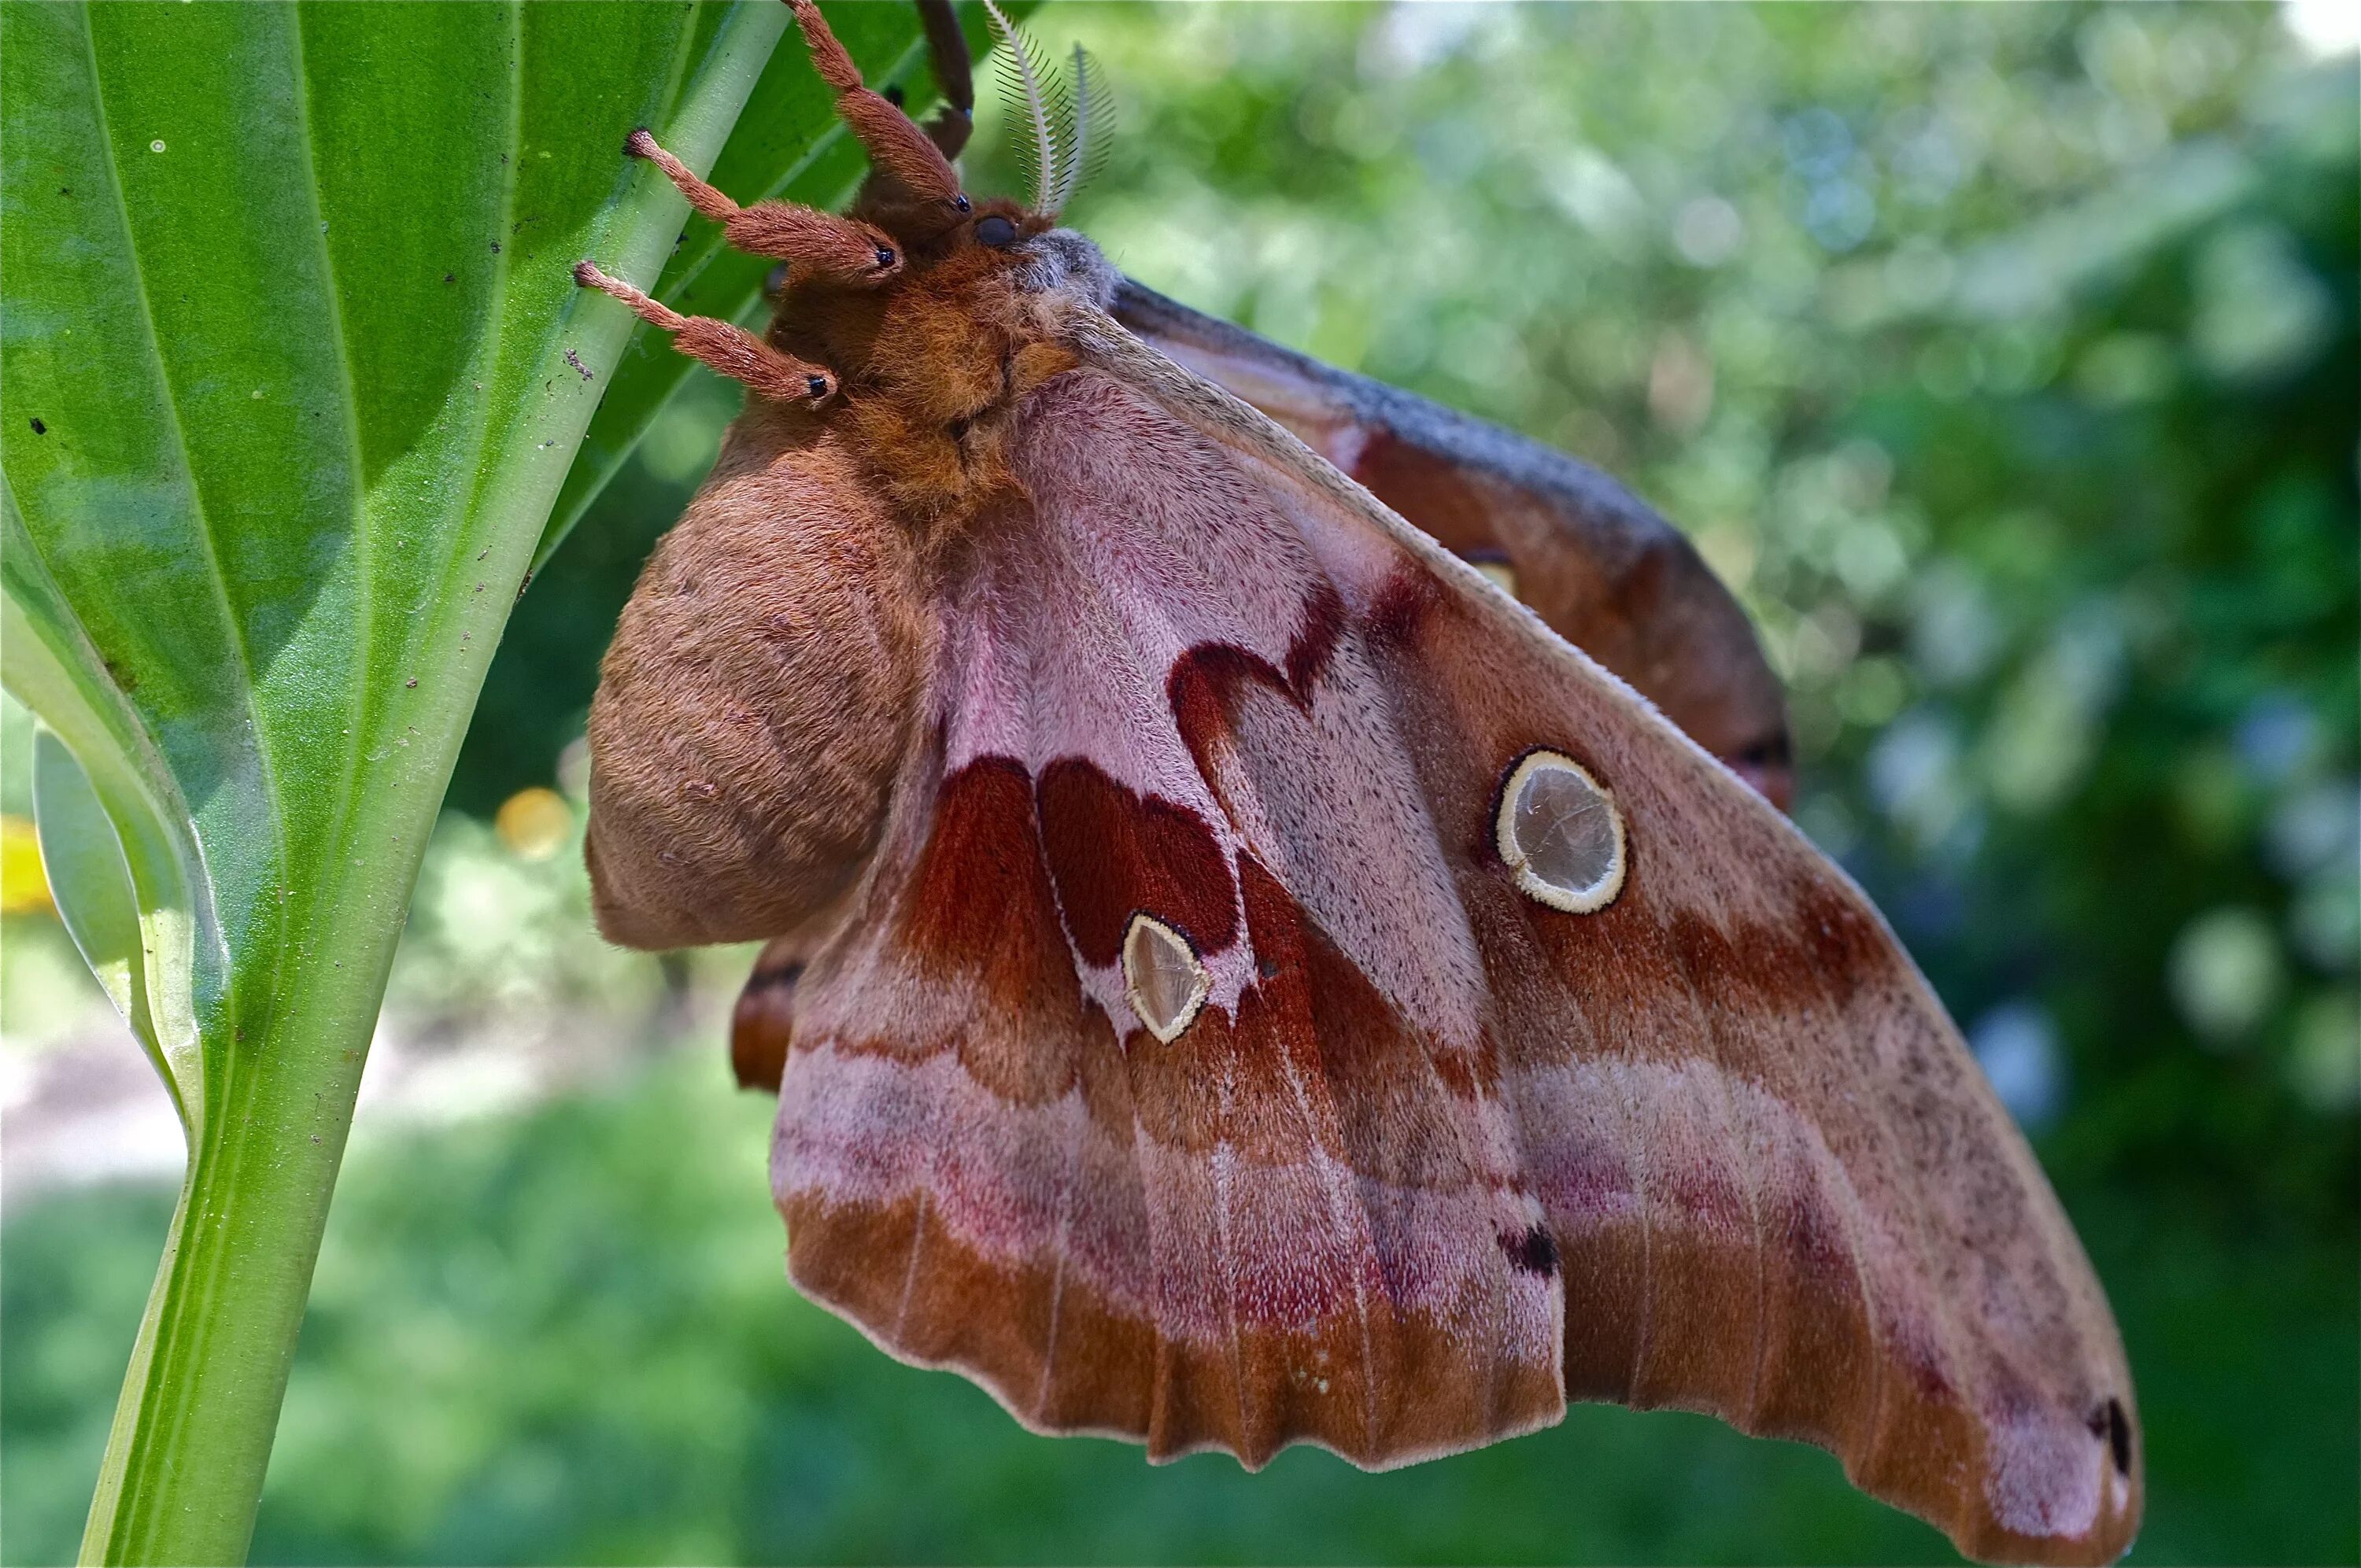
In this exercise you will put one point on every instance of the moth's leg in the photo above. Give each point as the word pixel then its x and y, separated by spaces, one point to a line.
pixel 947 57
pixel 732 350
pixel 842 248
pixel 897 146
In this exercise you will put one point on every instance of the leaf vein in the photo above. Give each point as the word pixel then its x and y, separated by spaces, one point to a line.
pixel 498 315
pixel 233 633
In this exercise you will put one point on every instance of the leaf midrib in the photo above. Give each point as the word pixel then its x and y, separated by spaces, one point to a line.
pixel 364 542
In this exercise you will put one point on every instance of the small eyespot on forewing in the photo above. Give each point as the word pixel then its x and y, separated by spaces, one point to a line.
pixel 1164 979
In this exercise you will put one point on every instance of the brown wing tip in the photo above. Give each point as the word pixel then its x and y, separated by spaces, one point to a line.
pixel 2056 1486
pixel 2011 1475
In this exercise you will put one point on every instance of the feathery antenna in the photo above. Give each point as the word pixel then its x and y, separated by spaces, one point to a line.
pixel 1040 156
pixel 1094 116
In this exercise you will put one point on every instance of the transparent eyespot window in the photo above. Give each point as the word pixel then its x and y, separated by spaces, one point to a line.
pixel 1500 572
pixel 1163 979
pixel 1561 834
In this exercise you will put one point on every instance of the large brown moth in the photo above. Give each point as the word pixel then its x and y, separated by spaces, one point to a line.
pixel 1236 975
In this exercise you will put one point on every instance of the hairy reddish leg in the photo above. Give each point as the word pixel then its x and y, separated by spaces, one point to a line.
pixel 732 350
pixel 844 249
pixel 841 248
pixel 897 146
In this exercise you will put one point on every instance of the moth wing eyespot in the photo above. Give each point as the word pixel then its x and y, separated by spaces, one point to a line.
pixel 1560 833
pixel 1164 979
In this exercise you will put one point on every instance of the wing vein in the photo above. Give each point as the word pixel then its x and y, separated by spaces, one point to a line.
pixel 910 1270
pixel 1057 1273
pixel 1344 1198
pixel 1225 1157
pixel 1750 1158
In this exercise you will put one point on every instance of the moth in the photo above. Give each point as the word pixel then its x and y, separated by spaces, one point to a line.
pixel 1271 936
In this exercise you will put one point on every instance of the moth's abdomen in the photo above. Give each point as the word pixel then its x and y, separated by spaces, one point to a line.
pixel 752 708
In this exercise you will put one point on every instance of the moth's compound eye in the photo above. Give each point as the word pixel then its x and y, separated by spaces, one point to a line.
pixel 960 203
pixel 1560 833
pixel 996 231
pixel 885 258
pixel 816 386
pixel 1163 979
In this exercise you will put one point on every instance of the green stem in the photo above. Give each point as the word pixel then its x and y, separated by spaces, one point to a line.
pixel 192 1432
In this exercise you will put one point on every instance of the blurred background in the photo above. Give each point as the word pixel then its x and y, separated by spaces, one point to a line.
pixel 2003 358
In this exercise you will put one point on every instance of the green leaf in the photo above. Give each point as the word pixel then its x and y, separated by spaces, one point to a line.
pixel 114 843
pixel 296 368
pixel 90 878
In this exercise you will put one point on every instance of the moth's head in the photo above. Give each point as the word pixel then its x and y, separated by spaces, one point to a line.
pixel 1061 116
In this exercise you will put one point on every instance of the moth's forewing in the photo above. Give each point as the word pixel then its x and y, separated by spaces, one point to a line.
pixel 1592 560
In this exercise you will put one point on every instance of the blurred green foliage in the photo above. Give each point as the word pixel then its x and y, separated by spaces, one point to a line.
pixel 2004 357
pixel 566 1337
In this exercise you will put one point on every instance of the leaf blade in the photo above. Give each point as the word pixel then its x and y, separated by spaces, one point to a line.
pixel 259 622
